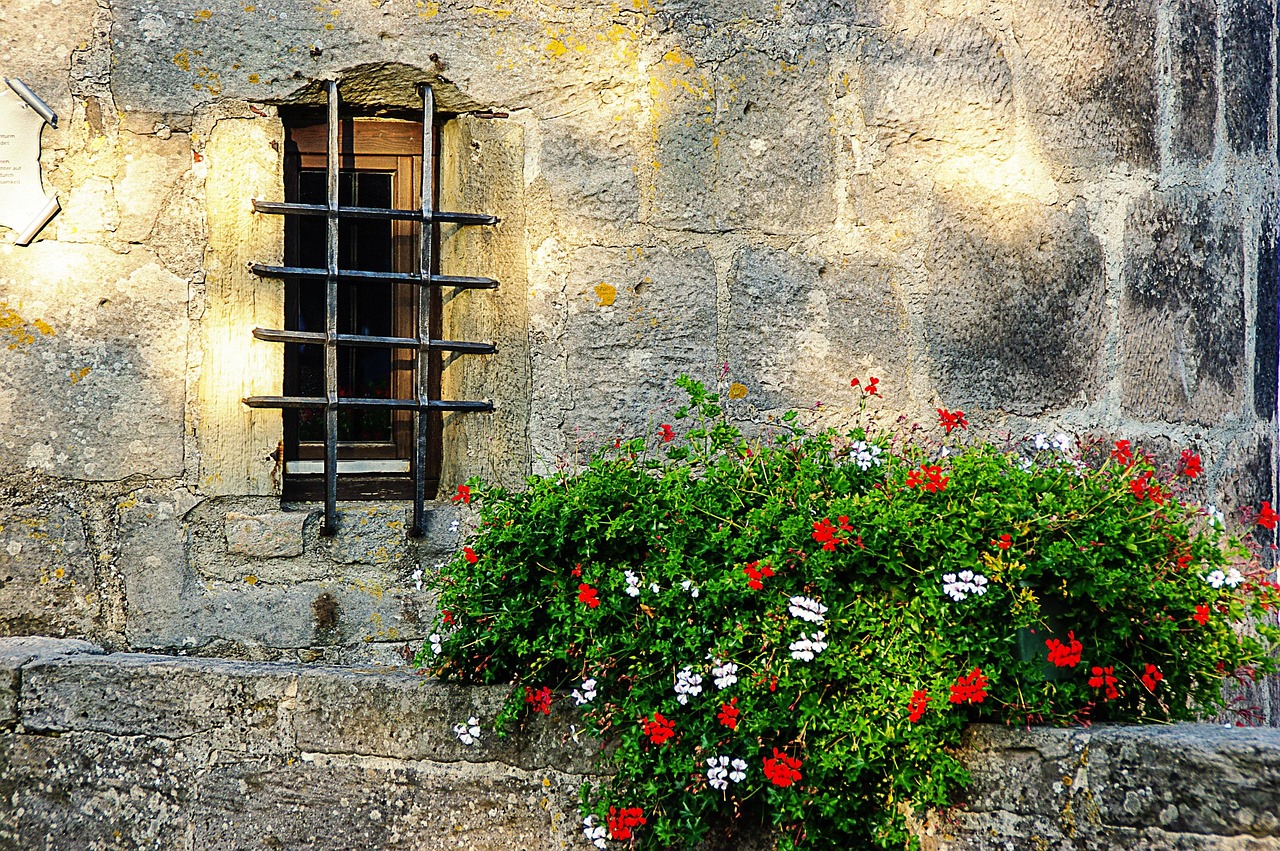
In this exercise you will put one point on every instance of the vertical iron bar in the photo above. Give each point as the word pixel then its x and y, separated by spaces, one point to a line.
pixel 425 233
pixel 331 325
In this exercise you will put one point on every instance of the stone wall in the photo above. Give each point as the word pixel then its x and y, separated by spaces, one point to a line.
pixel 1054 214
pixel 141 751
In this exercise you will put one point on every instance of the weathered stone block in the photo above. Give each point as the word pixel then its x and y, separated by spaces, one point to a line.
pixel 629 322
pixel 276 534
pixel 103 335
pixel 1014 314
pixel 1194 43
pixel 801 327
pixel 1248 78
pixel 48 578
pixel 1267 324
pixel 1183 310
pixel 37 46
pixel 17 652
pixel 1089 81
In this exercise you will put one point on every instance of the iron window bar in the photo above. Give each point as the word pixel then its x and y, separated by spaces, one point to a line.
pixel 460 281
pixel 423 343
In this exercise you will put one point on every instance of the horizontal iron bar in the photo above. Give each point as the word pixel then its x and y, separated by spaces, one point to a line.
pixel 373 213
pixel 346 402
pixel 317 338
pixel 361 275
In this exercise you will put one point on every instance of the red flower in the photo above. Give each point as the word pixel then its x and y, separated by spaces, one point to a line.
pixel 576 573
pixel 757 574
pixel 970 688
pixel 658 729
pixel 918 704
pixel 470 555
pixel 587 594
pixel 1190 464
pixel 1105 678
pixel 540 700
pixel 1151 677
pixel 929 478
pixel 666 433
pixel 1065 655
pixel 1004 543
pixel 825 533
pixel 1123 452
pixel 782 770
pixel 1267 516
pixel 621 821
pixel 447 617
pixel 728 714
pixel 870 389
pixel 1202 614
pixel 951 419
pixel 463 495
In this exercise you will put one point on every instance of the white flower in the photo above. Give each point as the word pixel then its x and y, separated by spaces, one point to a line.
pixel 805 648
pixel 417 579
pixel 468 733
pixel 807 609
pixel 1217 579
pixel 690 587
pixel 687 683
pixel 725 673
pixel 595 833
pixel 865 455
pixel 944 452
pixel 436 647
pixel 718 774
pixel 653 587
pixel 959 586
pixel 1027 464
pixel 453 527
pixel 1062 442
pixel 1041 441
pixel 1215 516
pixel 586 695
pixel 1234 577
pixel 633 584
pixel 739 772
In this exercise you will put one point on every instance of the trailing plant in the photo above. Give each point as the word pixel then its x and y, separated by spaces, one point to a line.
pixel 796 628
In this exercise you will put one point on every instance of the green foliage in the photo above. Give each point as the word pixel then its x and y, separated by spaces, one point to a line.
pixel 670 536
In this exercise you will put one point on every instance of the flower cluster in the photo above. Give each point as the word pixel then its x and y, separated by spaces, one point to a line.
pixel 596 834
pixel 958 586
pixel 1151 676
pixel 804 649
pixel 1065 655
pixel 633 583
pixel 688 684
pixel 728 714
pixel 622 821
pixel 587 596
pixel 824 532
pixel 1105 678
pixel 468 733
pixel 970 688
pixel 781 769
pixel 724 674
pixel 657 728
pixel 584 694
pixel 865 455
pixel 539 700
pixel 928 478
pixel 951 420
pixel 917 706
pixel 756 574
pixel 1232 578
pixel 807 609
pixel 721 771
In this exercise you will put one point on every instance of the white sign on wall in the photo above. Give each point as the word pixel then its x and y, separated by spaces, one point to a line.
pixel 24 207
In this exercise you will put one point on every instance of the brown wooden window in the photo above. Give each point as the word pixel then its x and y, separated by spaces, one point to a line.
pixel 361 386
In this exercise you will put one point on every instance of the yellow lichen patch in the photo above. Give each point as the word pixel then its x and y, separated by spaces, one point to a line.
pixel 182 59
pixel 17 330
pixel 203 15
pixel 251 8
pixel 606 293
pixel 251 580
pixel 556 47
pixel 59 572
pixel 77 375
pixel 737 391
pixel 427 11
pixel 254 78
pixel 496 11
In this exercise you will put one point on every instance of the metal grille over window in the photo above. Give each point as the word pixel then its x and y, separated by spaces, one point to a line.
pixel 336 397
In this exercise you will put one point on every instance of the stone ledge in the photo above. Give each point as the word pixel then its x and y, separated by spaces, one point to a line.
pixel 162 751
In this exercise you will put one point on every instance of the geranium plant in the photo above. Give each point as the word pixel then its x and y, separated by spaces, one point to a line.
pixel 795 628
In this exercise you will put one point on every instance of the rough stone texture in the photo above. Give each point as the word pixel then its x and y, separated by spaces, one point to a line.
pixel 139 751
pixel 1184 319
pixel 276 534
pixel 160 752
pixel 1052 215
pixel 1184 787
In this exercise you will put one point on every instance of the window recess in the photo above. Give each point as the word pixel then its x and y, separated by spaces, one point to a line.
pixel 361 395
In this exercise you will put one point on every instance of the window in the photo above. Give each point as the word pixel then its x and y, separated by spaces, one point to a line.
pixel 361 384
